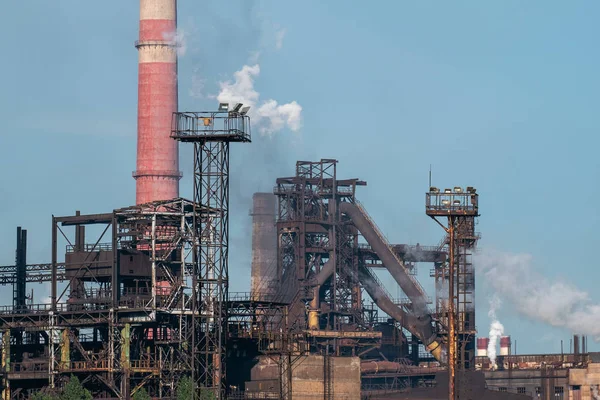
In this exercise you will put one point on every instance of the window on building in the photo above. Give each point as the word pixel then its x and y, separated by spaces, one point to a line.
pixel 576 387
pixel 538 390
pixel 521 390
pixel 502 389
pixel 558 390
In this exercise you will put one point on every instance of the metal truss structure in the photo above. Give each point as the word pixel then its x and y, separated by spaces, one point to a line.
pixel 456 276
pixel 211 133
pixel 121 317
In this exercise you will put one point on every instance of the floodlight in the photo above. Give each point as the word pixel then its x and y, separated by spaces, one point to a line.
pixel 446 202
pixel 223 106
pixel 457 202
pixel 457 189
pixel 237 107
pixel 447 190
pixel 245 110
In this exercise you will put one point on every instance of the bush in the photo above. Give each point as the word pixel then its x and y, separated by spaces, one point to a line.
pixel 185 389
pixel 141 395
pixel 74 390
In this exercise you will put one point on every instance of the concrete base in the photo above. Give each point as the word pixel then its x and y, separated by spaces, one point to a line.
pixel 311 377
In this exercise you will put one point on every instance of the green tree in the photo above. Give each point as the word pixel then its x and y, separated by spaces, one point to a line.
pixel 141 395
pixel 74 390
pixel 185 389
pixel 43 395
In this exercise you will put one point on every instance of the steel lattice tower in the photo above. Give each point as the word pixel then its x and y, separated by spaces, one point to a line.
pixel 211 133
pixel 457 308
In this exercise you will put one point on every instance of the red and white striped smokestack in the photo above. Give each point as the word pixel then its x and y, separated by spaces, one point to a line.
pixel 504 345
pixel 482 346
pixel 157 175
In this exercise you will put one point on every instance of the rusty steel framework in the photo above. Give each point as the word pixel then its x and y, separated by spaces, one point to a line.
pixel 456 307
pixel 211 133
pixel 323 269
pixel 119 313
pixel 318 257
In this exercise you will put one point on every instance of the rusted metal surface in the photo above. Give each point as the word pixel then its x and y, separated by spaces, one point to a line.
pixel 264 245
pixel 455 277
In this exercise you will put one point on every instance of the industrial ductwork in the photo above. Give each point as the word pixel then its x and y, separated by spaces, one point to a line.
pixel 392 263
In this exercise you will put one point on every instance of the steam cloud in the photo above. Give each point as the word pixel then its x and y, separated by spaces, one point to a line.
pixel 270 116
pixel 496 330
pixel 178 40
pixel 559 303
pixel 279 35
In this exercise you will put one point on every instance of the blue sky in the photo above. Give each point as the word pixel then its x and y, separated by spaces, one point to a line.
pixel 502 96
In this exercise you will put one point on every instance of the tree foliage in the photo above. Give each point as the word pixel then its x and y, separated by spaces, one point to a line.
pixel 185 389
pixel 74 390
pixel 44 396
pixel 141 395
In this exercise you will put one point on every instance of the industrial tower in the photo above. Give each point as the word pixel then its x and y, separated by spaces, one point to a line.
pixel 456 277
pixel 211 133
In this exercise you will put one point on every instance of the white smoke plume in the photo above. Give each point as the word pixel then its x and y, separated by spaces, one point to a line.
pixel 178 40
pixel 595 393
pixel 269 116
pixel 496 330
pixel 279 35
pixel 556 303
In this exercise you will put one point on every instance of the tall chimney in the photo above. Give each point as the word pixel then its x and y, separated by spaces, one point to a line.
pixel 482 345
pixel 264 245
pixel 157 175
pixel 504 345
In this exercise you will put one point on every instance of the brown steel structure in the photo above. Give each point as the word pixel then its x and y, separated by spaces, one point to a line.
pixel 323 269
pixel 144 301
pixel 211 133
pixel 457 310
pixel 121 318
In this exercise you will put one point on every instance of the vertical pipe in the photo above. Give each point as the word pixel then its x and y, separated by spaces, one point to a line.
pixel 115 264
pixel 54 262
pixel 157 174
pixel 153 237
pixel 451 315
pixel 6 395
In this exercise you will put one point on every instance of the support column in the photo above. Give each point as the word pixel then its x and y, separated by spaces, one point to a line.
pixel 6 363
pixel 125 359
pixel 65 350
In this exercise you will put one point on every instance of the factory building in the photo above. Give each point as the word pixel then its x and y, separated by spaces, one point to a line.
pixel 140 295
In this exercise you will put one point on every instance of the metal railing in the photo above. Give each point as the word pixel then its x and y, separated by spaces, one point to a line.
pixel 88 247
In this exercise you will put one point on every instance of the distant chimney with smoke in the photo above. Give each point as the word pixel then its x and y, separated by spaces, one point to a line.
pixel 482 345
pixel 504 345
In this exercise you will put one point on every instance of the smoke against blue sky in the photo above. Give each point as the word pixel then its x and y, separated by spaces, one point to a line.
pixel 502 96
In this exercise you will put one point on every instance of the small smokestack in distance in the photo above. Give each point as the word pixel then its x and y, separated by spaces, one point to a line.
pixel 482 345
pixel 504 345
